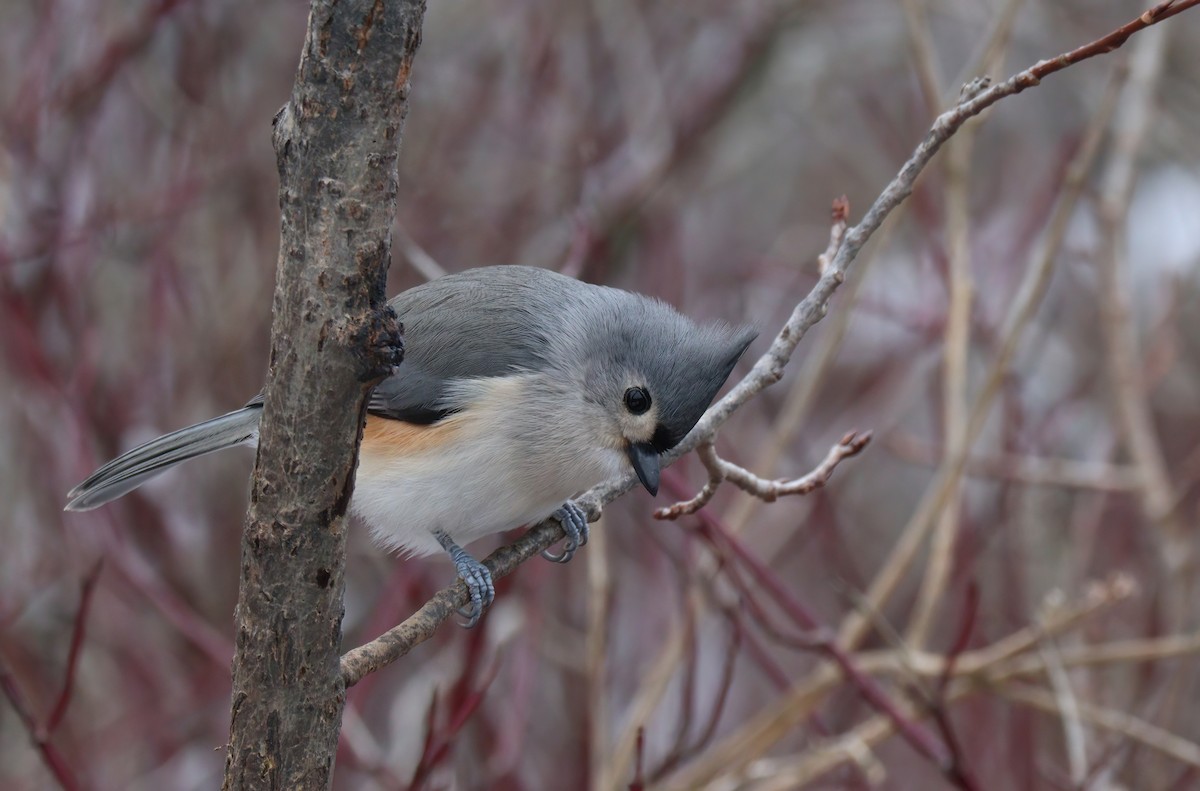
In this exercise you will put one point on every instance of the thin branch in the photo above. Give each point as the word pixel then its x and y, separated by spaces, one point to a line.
pixel 40 734
pixel 840 216
pixel 600 589
pixel 418 257
pixel 1034 470
pixel 956 350
pixel 939 705
pixel 77 633
pixel 1067 709
pixel 1123 363
pixel 51 757
pixel 639 783
pixel 818 361
pixel 721 470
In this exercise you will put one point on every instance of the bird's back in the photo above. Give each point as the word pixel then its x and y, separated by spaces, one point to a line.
pixel 486 322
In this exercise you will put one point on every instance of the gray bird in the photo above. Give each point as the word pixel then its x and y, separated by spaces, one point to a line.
pixel 520 389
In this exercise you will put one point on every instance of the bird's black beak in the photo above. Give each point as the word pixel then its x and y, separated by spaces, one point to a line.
pixel 644 459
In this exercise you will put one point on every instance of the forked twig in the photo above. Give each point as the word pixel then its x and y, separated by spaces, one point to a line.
pixel 767 490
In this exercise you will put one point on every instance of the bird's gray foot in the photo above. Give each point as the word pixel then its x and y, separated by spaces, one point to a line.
pixel 476 576
pixel 575 524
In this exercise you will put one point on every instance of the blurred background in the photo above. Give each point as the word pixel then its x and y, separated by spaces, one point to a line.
pixel 1018 611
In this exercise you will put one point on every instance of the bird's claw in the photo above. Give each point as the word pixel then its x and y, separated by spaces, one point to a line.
pixel 475 576
pixel 575 524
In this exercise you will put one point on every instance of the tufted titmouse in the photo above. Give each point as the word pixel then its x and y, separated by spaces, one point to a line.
pixel 520 388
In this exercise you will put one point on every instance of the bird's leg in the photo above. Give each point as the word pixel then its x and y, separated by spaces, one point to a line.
pixel 476 576
pixel 575 524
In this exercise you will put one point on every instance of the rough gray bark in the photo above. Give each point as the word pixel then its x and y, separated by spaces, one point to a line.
pixel 337 142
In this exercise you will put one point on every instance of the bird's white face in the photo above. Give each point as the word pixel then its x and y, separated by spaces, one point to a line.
pixel 625 418
pixel 635 411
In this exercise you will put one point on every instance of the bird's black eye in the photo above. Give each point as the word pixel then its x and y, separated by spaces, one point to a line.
pixel 637 400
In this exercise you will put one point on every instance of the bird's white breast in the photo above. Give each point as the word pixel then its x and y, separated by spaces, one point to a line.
pixel 477 472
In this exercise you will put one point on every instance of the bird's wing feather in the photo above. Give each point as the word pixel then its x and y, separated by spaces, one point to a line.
pixel 481 323
pixel 492 321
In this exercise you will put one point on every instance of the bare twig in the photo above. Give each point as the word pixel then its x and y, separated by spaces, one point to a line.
pixel 40 733
pixel 958 314
pixel 817 364
pixel 939 706
pixel 840 217
pixel 724 685
pixel 721 470
pixel 1035 470
pixel 639 782
pixel 417 256
pixel 818 361
pixel 1068 712
pixel 77 633
pixel 51 756
pixel 1123 360
pixel 807 383
pixel 596 648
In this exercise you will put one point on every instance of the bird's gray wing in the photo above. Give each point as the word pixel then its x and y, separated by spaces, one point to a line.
pixel 492 321
pixel 488 322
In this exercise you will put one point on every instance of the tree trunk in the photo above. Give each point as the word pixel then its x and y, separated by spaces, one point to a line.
pixel 337 142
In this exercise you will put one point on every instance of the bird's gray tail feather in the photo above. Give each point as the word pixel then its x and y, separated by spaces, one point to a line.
pixel 127 472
